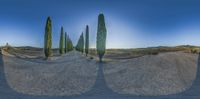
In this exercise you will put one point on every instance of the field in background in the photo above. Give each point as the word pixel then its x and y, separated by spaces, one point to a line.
pixel 113 54
pixel 160 71
pixel 137 52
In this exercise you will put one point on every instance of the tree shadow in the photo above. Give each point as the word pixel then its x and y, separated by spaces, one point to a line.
pixel 100 87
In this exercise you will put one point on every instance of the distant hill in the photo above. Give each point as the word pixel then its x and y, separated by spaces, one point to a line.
pixel 179 46
pixel 160 47
pixel 188 46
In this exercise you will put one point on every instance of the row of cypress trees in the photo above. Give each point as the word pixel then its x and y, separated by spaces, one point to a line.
pixel 68 45
pixel 65 44
pixel 81 45
pixel 101 39
pixel 61 45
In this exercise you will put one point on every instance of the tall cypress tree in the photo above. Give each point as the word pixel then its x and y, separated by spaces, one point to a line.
pixel 48 38
pixel 101 37
pixel 65 42
pixel 78 46
pixel 61 49
pixel 82 43
pixel 68 43
pixel 87 40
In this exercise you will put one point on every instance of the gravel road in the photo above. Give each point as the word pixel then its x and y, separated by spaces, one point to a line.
pixel 99 89
pixel 152 75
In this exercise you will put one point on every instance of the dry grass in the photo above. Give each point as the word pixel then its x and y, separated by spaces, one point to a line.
pixel 113 54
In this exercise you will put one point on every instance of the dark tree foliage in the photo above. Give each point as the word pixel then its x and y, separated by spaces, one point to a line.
pixel 101 37
pixel 87 40
pixel 80 44
pixel 48 38
pixel 65 42
pixel 61 49
pixel 70 46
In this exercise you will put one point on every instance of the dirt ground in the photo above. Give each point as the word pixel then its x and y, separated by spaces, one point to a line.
pixel 73 73
pixel 162 74
pixel 70 74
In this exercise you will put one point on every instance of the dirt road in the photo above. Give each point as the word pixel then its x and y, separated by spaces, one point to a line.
pixel 99 89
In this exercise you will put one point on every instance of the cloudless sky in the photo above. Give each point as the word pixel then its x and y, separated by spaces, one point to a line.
pixel 130 23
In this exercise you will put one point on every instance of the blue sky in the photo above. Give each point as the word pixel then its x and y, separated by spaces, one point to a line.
pixel 130 23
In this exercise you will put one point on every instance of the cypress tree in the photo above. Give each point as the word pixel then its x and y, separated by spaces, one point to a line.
pixel 82 43
pixel 101 37
pixel 68 43
pixel 78 44
pixel 87 40
pixel 48 38
pixel 61 49
pixel 71 45
pixel 76 47
pixel 65 42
